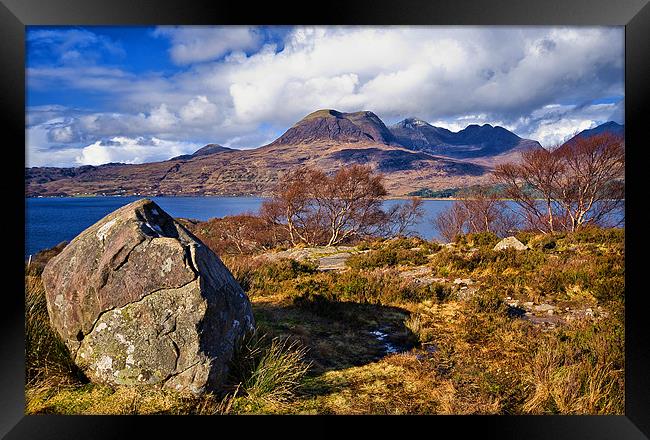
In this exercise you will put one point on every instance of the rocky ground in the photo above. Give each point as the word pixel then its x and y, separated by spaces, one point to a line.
pixel 324 257
pixel 407 326
pixel 547 314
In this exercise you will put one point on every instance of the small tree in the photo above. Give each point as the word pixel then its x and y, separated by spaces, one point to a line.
pixel 350 202
pixel 591 184
pixel 293 206
pixel 402 216
pixel 316 208
pixel 529 181
pixel 451 222
pixel 476 210
pixel 575 185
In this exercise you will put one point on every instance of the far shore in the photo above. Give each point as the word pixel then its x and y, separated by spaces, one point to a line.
pixel 248 195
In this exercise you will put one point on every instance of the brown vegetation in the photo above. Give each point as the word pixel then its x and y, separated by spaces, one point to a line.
pixel 319 209
pixel 242 234
pixel 476 210
pixel 580 183
pixel 461 353
pixel 314 208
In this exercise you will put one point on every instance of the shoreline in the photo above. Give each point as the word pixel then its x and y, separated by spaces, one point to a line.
pixel 244 196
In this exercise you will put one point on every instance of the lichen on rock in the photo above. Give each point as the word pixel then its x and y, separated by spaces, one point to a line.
pixel 140 300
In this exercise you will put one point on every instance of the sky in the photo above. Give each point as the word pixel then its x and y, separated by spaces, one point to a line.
pixel 141 94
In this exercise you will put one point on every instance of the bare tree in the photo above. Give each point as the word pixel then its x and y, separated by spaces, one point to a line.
pixel 319 209
pixel 477 210
pixel 401 217
pixel 451 222
pixel 486 212
pixel 565 189
pixel 294 207
pixel 529 181
pixel 591 184
pixel 351 202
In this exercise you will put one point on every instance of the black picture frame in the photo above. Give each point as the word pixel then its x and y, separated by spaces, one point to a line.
pixel 633 14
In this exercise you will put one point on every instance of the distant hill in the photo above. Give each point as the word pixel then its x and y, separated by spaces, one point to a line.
pixel 204 151
pixel 610 127
pixel 412 155
pixel 474 141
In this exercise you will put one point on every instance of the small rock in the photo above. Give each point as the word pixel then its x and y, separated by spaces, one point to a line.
pixel 543 308
pixel 550 312
pixel 467 281
pixel 510 242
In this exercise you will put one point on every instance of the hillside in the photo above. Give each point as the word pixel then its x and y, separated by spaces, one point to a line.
pixel 610 127
pixel 472 142
pixel 411 154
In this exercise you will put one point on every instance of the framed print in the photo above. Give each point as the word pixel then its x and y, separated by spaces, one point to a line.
pixel 421 208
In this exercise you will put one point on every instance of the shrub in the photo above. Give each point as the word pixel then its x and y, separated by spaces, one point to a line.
pixel 286 269
pixel 242 234
pixel 482 239
pixel 431 247
pixel 525 236
pixel 257 274
pixel 441 291
pixel 487 301
pixel 388 257
pixel 268 370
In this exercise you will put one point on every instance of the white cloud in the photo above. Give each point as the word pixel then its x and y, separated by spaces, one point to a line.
pixel 61 134
pixel 553 133
pixel 192 44
pixel 132 150
pixel 162 118
pixel 451 76
pixel 199 110
pixel 553 124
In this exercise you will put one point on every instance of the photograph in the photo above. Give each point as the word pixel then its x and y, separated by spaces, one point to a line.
pixel 325 219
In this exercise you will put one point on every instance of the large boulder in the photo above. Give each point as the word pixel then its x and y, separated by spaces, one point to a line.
pixel 139 300
pixel 510 242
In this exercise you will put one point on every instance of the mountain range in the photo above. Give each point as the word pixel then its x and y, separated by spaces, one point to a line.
pixel 411 154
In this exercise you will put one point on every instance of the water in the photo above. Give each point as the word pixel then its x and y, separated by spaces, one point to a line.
pixel 49 221
pixel 389 348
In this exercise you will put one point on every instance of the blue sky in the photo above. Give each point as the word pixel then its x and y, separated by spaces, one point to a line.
pixel 139 94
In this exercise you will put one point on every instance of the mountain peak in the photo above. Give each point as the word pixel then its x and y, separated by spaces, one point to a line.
pixel 333 125
pixel 203 151
pixel 473 141
pixel 609 127
pixel 210 149
pixel 411 122
pixel 611 124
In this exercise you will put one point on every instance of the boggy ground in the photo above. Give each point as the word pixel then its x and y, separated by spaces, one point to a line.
pixel 407 326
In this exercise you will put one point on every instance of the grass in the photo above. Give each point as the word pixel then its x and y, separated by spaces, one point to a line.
pixel 47 359
pixel 264 372
pixel 314 351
